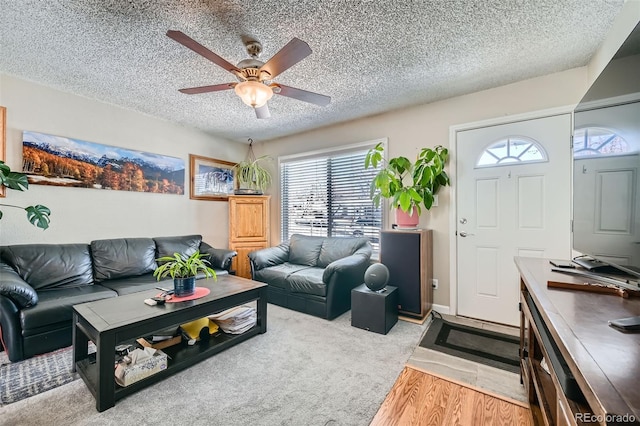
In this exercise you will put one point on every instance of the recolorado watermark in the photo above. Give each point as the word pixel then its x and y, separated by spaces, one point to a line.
pixel 608 418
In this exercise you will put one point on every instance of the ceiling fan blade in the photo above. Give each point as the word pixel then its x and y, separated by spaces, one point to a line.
pixel 187 41
pixel 295 51
pixel 303 95
pixel 263 111
pixel 206 89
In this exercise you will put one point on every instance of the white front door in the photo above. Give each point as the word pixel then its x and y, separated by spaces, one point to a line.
pixel 513 199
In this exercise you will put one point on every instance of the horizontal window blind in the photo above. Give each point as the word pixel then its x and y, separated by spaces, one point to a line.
pixel 328 195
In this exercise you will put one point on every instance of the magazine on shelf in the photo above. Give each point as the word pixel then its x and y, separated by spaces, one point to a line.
pixel 236 320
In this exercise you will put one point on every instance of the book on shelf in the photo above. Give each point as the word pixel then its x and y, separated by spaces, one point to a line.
pixel 162 338
pixel 161 344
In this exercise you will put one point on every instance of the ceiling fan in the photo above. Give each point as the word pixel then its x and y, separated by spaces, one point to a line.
pixel 256 84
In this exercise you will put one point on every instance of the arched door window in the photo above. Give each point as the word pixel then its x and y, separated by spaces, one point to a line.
pixel 598 142
pixel 512 150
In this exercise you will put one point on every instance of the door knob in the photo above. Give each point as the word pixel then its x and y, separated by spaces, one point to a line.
pixel 463 220
pixel 464 234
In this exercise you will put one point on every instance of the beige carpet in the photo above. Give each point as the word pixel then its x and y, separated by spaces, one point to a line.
pixel 303 371
pixel 490 380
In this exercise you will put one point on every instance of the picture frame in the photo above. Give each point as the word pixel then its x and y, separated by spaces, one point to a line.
pixel 3 142
pixel 47 161
pixel 211 179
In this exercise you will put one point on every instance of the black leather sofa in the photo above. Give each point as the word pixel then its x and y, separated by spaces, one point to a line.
pixel 314 275
pixel 39 283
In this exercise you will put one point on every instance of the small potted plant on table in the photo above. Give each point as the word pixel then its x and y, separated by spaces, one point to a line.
pixel 183 269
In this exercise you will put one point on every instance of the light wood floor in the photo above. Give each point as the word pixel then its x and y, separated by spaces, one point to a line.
pixel 419 398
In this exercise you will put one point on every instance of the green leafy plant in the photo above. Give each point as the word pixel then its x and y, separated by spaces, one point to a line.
pixel 38 215
pixel 408 185
pixel 183 266
pixel 251 174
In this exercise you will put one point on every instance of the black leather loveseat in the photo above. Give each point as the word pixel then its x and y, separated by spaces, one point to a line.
pixel 39 283
pixel 314 275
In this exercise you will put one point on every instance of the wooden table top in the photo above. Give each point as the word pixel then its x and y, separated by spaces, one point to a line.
pixel 603 359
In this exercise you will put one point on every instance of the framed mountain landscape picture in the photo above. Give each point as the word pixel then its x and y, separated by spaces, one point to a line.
pixel 63 161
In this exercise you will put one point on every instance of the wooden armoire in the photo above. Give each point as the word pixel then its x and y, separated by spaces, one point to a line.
pixel 248 228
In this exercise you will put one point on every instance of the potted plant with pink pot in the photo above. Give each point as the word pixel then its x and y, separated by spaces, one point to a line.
pixel 408 185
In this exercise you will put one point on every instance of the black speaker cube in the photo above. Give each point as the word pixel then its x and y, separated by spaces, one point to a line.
pixel 374 311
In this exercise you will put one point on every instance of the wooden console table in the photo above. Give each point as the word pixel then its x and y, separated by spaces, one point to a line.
pixel 595 377
pixel 123 319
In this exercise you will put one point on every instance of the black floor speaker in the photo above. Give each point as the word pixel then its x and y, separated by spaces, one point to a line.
pixel 375 311
pixel 408 256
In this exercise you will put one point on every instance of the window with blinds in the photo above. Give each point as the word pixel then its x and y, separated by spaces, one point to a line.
pixel 328 195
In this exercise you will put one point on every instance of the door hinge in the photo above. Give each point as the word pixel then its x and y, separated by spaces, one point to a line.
pixel 571 142
pixel 519 306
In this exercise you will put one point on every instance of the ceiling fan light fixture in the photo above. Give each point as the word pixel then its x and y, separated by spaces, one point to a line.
pixel 253 93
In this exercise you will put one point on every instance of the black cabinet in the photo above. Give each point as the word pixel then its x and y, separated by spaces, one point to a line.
pixel 374 311
pixel 408 256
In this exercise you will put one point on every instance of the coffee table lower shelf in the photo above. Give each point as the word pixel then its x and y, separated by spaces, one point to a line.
pixel 181 356
pixel 114 321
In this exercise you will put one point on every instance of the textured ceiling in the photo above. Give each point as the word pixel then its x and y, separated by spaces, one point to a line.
pixel 369 56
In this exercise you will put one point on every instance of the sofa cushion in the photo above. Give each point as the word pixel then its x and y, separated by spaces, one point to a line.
pixel 54 307
pixel 45 266
pixel 187 245
pixel 135 284
pixel 123 257
pixel 337 248
pixel 277 275
pixel 304 249
pixel 308 281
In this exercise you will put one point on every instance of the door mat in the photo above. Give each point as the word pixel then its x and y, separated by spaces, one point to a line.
pixel 22 379
pixel 483 346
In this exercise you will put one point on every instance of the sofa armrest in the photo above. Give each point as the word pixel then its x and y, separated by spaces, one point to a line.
pixel 15 288
pixel 269 256
pixel 349 268
pixel 219 258
pixel 10 329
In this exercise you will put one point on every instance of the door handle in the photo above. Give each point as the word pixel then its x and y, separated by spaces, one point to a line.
pixel 464 234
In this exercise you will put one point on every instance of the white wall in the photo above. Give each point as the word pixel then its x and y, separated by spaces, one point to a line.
pixel 411 129
pixel 82 215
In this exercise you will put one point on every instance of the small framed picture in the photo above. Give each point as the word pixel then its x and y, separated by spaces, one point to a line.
pixel 211 179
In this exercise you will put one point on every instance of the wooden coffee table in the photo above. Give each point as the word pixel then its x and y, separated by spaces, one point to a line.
pixel 110 322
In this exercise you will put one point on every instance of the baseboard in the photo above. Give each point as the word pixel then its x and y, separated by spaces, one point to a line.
pixel 441 309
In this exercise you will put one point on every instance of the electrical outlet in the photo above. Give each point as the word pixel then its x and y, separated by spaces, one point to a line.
pixel 434 283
